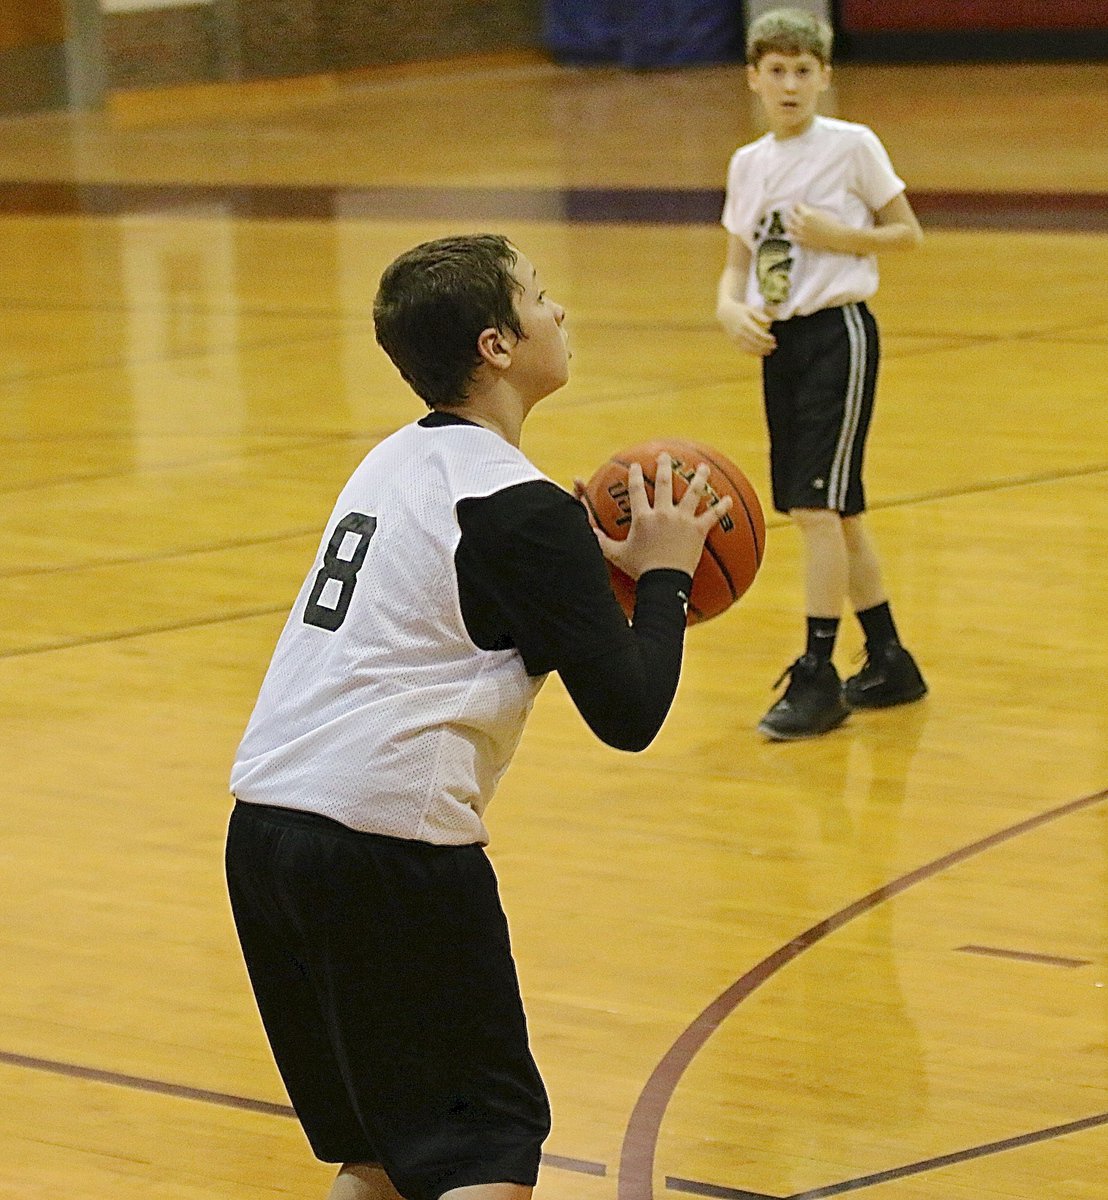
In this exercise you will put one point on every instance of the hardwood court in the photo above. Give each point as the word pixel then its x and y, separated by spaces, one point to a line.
pixel 871 963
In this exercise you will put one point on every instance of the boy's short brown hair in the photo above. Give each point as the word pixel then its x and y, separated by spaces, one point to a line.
pixel 434 301
pixel 788 31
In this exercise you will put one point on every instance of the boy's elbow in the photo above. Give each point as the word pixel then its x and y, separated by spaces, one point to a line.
pixel 725 303
pixel 912 235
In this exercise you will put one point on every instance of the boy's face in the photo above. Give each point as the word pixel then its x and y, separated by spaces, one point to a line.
pixel 541 357
pixel 789 87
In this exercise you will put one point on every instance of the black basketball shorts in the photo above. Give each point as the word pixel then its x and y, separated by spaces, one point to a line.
pixel 384 978
pixel 819 386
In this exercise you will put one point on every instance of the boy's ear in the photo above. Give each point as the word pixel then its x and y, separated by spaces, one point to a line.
pixel 751 76
pixel 494 348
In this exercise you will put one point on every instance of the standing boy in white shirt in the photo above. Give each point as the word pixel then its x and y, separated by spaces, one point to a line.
pixel 808 207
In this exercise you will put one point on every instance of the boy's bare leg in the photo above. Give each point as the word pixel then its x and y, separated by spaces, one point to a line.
pixel 362 1181
pixel 866 587
pixel 490 1191
pixel 826 571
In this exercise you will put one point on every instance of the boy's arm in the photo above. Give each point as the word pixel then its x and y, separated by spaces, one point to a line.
pixel 896 228
pixel 531 574
pixel 746 326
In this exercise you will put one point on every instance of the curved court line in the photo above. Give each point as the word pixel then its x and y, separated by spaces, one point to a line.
pixel 640 1141
pixel 916 1168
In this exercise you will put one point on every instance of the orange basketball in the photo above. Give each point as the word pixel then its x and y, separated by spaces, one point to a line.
pixel 734 548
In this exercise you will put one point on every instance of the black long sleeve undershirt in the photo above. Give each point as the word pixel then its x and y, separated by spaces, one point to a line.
pixel 625 696
pixel 531 576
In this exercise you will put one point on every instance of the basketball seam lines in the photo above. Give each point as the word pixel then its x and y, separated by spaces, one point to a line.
pixel 759 549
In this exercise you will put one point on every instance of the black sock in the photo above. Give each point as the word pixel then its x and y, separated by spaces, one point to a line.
pixel 878 626
pixel 822 632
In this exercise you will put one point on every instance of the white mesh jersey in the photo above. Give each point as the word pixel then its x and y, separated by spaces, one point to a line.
pixel 378 710
pixel 836 166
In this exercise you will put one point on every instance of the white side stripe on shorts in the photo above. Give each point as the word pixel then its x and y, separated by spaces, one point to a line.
pixel 856 379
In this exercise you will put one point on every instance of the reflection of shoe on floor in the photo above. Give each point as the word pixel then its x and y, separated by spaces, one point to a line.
pixel 812 703
pixel 889 677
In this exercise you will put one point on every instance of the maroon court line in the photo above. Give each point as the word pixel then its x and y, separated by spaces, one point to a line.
pixel 179 1091
pixel 138 1083
pixel 1047 960
pixel 640 1142
pixel 1075 211
pixel 928 1164
pixel 694 1188
pixel 124 635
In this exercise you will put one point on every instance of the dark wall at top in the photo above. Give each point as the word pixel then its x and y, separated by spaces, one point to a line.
pixel 991 15
pixel 266 39
pixel 32 54
pixel 953 30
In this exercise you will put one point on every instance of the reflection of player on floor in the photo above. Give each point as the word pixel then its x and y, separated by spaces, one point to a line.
pixel 451 578
pixel 808 207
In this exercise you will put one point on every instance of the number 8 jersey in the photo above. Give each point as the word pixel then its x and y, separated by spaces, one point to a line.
pixel 378 710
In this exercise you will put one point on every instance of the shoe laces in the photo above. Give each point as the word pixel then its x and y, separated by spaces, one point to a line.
pixel 785 674
pixel 873 663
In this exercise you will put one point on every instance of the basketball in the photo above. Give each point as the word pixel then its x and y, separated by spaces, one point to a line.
pixel 735 545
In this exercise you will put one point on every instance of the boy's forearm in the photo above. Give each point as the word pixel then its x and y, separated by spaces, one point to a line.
pixel 895 227
pixel 894 236
pixel 732 282
pixel 728 292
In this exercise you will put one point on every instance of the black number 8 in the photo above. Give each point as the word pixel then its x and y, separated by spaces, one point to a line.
pixel 343 570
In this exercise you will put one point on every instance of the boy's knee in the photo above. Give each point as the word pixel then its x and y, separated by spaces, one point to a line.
pixel 815 518
pixel 363 1181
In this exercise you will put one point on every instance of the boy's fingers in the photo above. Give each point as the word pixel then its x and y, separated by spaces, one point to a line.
pixel 714 512
pixel 636 489
pixel 696 489
pixel 663 481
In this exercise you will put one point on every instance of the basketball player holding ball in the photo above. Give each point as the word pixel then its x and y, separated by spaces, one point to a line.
pixel 451 578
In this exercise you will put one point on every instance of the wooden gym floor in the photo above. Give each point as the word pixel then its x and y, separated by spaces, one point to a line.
pixel 874 962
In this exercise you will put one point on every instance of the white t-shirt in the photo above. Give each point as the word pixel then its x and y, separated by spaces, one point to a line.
pixel 378 710
pixel 836 166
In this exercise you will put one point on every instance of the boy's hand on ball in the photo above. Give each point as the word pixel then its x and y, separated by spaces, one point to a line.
pixel 667 534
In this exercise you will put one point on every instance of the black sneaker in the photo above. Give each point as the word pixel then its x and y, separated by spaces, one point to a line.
pixel 889 677
pixel 812 703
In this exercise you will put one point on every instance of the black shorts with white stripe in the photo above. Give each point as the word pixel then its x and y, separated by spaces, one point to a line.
pixel 819 387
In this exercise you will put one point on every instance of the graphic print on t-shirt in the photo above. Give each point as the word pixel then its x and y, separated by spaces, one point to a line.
pixel 774 261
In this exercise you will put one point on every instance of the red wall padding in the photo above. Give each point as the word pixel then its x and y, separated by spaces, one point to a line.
pixel 866 16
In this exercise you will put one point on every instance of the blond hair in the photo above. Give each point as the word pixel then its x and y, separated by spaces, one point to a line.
pixel 788 31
